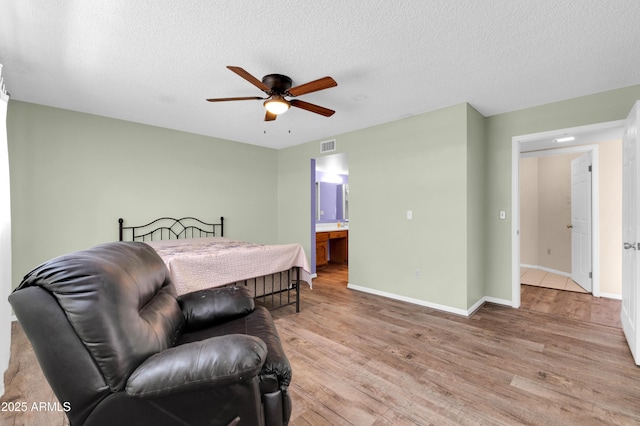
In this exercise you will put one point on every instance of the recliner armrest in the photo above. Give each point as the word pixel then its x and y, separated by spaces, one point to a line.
pixel 206 307
pixel 217 361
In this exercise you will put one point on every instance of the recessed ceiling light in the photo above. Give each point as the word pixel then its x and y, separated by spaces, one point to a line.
pixel 565 139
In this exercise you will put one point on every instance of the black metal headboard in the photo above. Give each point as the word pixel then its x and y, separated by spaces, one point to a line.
pixel 168 228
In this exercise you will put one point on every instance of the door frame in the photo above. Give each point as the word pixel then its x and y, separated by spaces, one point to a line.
pixel 516 142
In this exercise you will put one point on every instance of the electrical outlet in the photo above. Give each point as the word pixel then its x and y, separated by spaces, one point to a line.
pixel 418 273
pixel 409 214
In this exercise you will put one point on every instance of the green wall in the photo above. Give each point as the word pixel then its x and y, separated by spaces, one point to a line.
pixel 73 175
pixel 419 164
pixel 476 196
pixel 452 167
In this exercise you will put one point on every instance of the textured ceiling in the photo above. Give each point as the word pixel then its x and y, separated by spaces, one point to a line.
pixel 155 62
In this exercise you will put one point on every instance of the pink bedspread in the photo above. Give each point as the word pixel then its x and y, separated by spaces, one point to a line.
pixel 200 263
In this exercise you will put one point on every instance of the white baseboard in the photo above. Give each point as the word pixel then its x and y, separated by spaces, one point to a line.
pixel 543 268
pixel 437 306
pixel 611 296
pixel 311 283
pixel 498 301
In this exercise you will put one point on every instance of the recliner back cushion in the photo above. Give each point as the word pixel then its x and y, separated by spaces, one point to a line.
pixel 120 300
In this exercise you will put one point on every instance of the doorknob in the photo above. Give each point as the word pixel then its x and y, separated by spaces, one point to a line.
pixel 569 226
pixel 628 246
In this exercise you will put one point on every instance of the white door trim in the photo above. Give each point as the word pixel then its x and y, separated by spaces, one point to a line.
pixel 516 142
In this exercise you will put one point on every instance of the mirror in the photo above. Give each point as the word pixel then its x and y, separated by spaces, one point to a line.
pixel 332 189
pixel 342 202
pixel 332 202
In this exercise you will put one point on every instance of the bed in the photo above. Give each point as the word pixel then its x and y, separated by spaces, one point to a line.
pixel 199 256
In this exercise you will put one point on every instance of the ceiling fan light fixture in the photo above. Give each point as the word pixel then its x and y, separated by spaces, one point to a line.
pixel 276 105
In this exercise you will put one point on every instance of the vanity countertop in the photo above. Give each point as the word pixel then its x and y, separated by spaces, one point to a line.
pixel 329 227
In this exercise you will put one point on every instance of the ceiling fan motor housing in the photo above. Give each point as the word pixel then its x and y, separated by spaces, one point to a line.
pixel 277 82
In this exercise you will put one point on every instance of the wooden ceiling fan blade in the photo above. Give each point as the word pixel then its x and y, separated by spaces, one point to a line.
pixel 313 86
pixel 312 107
pixel 269 116
pixel 243 98
pixel 251 79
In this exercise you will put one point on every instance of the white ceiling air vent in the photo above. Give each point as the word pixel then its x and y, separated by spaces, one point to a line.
pixel 327 146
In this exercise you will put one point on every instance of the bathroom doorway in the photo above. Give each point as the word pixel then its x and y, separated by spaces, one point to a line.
pixel 330 212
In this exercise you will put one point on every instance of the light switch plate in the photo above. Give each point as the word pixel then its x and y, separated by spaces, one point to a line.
pixel 503 214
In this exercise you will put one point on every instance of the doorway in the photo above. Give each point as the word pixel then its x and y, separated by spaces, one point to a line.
pixel 555 217
pixel 330 212
pixel 547 142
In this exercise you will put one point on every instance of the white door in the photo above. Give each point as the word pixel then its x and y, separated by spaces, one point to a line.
pixel 630 233
pixel 581 221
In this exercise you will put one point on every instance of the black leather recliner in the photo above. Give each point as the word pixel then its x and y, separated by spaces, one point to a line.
pixel 118 347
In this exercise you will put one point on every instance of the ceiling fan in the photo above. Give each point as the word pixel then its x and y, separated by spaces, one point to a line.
pixel 277 87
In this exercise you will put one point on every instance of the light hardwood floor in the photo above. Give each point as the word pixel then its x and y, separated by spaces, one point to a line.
pixel 359 359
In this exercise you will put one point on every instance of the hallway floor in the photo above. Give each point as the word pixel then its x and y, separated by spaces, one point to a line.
pixel 540 278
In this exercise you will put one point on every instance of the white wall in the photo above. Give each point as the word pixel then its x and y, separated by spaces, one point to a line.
pixel 529 211
pixel 611 218
pixel 553 238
